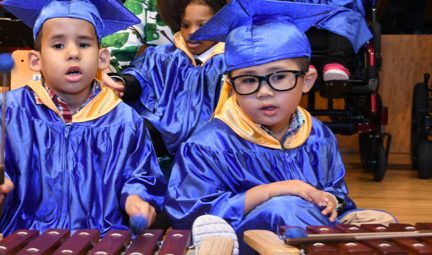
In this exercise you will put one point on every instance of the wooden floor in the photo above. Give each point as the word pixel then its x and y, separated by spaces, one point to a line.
pixel 400 193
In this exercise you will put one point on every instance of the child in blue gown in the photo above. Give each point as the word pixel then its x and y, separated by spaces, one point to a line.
pixel 76 156
pixel 263 161
pixel 175 87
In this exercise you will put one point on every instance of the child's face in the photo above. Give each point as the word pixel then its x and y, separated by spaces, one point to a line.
pixel 194 17
pixel 268 107
pixel 69 57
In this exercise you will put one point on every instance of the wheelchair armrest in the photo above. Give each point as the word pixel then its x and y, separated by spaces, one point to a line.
pixel 376 31
pixel 375 43
pixel 343 88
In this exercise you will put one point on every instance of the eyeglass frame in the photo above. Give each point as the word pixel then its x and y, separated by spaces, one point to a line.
pixel 261 78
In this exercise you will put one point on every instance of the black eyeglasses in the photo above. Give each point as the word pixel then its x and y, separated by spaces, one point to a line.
pixel 284 80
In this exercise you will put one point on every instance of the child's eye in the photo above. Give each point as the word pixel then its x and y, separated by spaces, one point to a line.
pixel 183 25
pixel 248 80
pixel 278 77
pixel 58 46
pixel 84 45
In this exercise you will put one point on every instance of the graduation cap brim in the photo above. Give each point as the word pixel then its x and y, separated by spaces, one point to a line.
pixel 113 14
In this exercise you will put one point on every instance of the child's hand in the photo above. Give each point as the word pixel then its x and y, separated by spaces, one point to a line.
pixel 292 187
pixel 5 189
pixel 307 192
pixel 135 206
pixel 326 200
pixel 118 87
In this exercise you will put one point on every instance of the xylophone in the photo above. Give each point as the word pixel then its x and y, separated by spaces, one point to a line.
pixel 396 238
pixel 59 241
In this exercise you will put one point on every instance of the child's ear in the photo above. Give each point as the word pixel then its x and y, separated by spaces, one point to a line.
pixel 104 58
pixel 34 61
pixel 309 79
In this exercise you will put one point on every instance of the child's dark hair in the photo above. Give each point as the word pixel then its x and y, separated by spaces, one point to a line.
pixel 302 62
pixel 171 11
pixel 170 14
pixel 38 41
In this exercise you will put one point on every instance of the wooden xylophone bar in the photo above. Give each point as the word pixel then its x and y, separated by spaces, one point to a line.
pixel 403 244
pixel 59 241
pixel 261 240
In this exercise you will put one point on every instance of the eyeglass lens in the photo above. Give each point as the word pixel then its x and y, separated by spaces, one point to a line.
pixel 279 81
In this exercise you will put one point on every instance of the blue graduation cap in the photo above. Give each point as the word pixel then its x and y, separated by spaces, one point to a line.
pixel 107 16
pixel 261 31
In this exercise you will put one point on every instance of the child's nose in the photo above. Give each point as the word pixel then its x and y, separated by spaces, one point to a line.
pixel 265 89
pixel 73 52
pixel 192 29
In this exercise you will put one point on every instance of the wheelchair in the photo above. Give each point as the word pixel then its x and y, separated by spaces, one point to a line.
pixel 10 40
pixel 421 128
pixel 354 106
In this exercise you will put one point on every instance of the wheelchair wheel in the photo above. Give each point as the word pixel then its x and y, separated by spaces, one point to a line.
pixel 419 108
pixel 364 152
pixel 380 163
pixel 424 160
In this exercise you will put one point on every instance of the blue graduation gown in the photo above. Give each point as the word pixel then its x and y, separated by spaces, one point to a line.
pixel 76 175
pixel 214 169
pixel 178 97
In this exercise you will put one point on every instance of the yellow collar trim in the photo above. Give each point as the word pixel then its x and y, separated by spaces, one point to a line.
pixel 243 126
pixel 103 103
pixel 180 43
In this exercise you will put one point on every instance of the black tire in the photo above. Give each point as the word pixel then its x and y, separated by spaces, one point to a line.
pixel 367 140
pixel 380 164
pixel 364 151
pixel 424 160
pixel 419 108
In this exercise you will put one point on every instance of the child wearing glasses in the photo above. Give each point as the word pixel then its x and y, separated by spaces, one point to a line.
pixel 263 161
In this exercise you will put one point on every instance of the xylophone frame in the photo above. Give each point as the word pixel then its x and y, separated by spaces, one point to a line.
pixel 115 242
pixel 268 243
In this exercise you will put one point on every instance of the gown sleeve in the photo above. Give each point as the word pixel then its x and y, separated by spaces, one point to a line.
pixel 329 168
pixel 148 69
pixel 142 172
pixel 177 97
pixel 196 188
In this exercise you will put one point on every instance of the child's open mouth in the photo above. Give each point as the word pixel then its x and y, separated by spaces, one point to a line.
pixel 268 110
pixel 193 44
pixel 73 74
